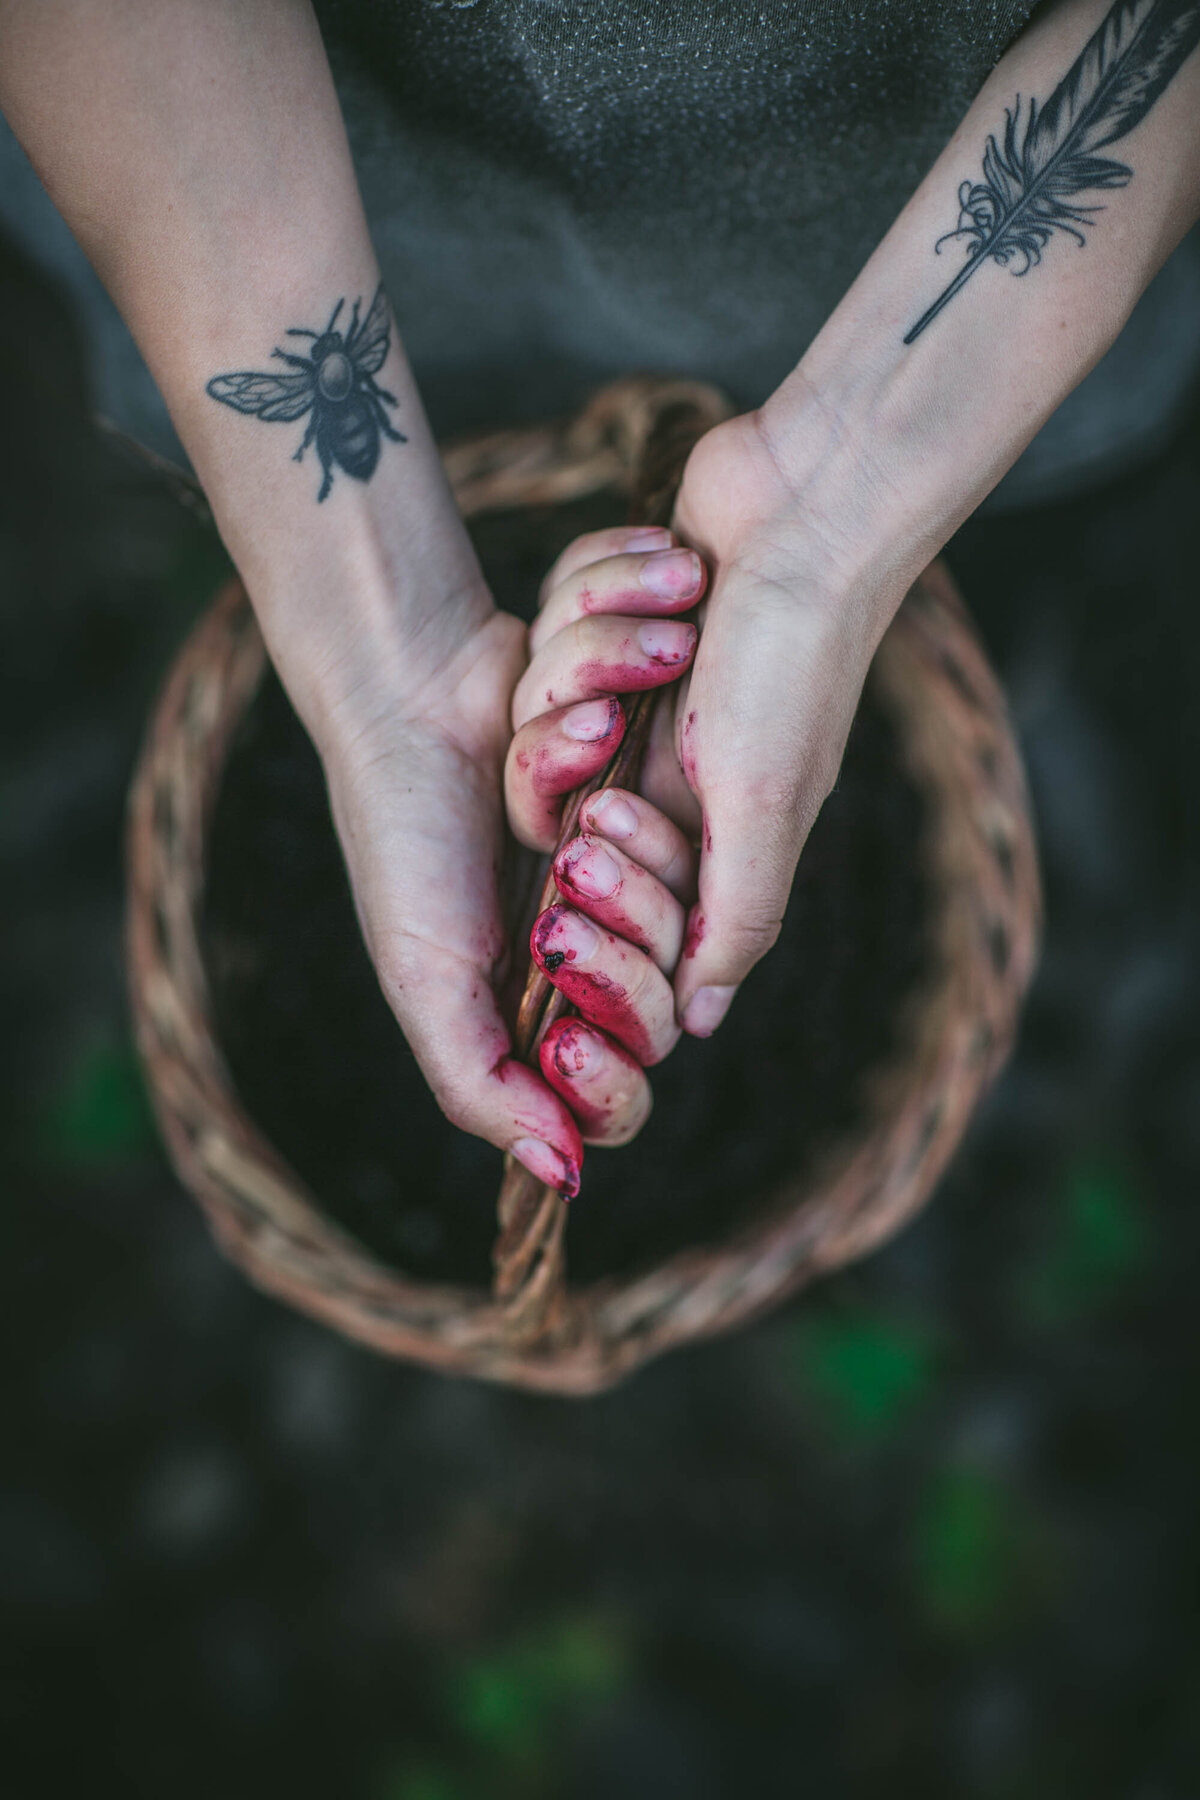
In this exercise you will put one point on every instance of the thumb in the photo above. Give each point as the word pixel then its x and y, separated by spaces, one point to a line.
pixel 752 843
pixel 449 1015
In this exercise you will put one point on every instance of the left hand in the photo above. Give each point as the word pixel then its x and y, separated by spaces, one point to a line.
pixel 612 941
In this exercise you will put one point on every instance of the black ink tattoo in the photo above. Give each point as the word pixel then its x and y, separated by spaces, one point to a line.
pixel 1031 185
pixel 336 384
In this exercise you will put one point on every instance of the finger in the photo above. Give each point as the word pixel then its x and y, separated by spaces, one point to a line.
pixel 646 836
pixel 749 860
pixel 662 780
pixel 594 546
pixel 616 892
pixel 603 1085
pixel 552 756
pixel 448 1011
pixel 603 656
pixel 614 985
pixel 663 581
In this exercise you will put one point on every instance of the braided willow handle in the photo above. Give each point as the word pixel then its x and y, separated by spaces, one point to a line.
pixel 528 1257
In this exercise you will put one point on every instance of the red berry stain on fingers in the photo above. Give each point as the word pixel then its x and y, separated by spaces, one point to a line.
pixel 568 1050
pixel 633 598
pixel 562 1139
pixel 560 762
pixel 625 678
pixel 587 874
pixel 585 866
pixel 687 756
pixel 601 674
pixel 695 935
pixel 599 996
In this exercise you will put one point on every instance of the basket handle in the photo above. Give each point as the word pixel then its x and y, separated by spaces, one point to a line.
pixel 528 1257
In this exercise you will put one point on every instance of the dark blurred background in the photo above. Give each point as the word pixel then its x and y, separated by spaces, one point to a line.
pixel 930 1529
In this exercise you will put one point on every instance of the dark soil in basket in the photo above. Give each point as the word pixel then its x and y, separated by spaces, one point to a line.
pixel 321 1066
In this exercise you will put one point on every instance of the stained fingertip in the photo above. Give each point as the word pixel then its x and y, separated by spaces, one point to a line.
pixel 705 1010
pixel 600 1081
pixel 562 935
pixel 568 1053
pixel 588 869
pixel 569 1049
pixel 548 1165
pixel 535 1113
pixel 591 720
pixel 673 574
pixel 667 641
pixel 609 813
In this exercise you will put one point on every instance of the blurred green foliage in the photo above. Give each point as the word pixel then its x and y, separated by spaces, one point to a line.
pixel 1097 1247
pixel 423 1780
pixel 511 1708
pixel 97 1113
pixel 866 1372
pixel 510 1702
pixel 980 1555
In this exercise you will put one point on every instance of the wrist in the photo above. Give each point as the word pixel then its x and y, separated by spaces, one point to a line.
pixel 355 642
pixel 362 599
pixel 793 497
pixel 875 473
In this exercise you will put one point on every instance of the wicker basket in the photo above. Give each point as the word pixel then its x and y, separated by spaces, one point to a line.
pixel 930 674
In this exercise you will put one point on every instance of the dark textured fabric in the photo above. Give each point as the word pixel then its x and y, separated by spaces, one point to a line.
pixel 561 190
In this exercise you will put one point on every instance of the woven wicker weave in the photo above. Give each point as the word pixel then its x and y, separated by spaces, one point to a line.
pixel 931 675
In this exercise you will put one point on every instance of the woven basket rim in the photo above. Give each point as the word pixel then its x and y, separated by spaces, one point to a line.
pixel 931 675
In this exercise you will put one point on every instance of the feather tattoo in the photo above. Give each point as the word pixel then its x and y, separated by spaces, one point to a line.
pixel 1032 182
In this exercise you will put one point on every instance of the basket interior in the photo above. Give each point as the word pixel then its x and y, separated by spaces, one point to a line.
pixel 320 1065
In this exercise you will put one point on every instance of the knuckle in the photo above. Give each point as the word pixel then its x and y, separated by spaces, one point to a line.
pixel 393 967
pixel 457 1092
pixel 591 637
pixel 644 979
pixel 785 801
pixel 751 935
pixel 457 1105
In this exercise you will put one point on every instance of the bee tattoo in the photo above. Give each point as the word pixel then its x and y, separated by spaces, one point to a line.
pixel 336 384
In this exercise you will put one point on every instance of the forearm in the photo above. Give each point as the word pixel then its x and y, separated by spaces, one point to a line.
pixel 888 445
pixel 197 151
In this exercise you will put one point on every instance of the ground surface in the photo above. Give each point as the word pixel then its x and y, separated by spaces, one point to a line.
pixel 929 1530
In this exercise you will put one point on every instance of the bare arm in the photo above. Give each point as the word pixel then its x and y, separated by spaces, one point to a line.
pixel 820 510
pixel 197 151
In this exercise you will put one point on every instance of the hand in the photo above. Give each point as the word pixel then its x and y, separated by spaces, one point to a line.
pixel 605 628
pixel 414 762
pixel 790 627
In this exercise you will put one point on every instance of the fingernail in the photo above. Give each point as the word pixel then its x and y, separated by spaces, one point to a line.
pixel 547 1165
pixel 648 537
pixel 563 935
pixel 591 721
pixel 705 1010
pixel 608 813
pixel 589 869
pixel 576 1050
pixel 672 574
pixel 667 640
